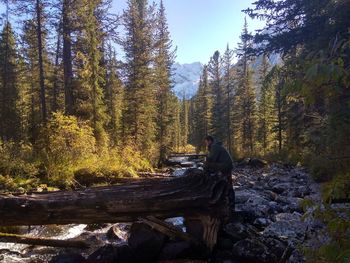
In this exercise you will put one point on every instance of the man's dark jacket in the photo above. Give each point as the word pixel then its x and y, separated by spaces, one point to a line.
pixel 219 159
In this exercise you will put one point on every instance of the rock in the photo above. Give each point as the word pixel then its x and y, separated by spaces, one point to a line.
pixel 242 196
pixel 257 205
pixel 293 231
pixel 274 208
pixel 238 231
pixel 301 191
pixel 252 250
pixel 68 258
pixel 175 250
pixel 296 257
pixel 114 233
pixel 94 227
pixel 262 222
pixel 291 204
pixel 281 187
pixel 277 247
pixel 288 216
pixel 111 254
pixel 145 242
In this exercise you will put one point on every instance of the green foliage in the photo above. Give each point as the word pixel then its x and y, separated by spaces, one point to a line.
pixel 9 88
pixel 186 149
pixel 65 145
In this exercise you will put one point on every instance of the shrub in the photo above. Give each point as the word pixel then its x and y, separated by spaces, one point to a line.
pixel 65 145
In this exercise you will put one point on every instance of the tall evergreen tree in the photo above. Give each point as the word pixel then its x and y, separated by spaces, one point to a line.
pixel 267 111
pixel 228 98
pixel 140 111
pixel 216 83
pixel 164 59
pixel 246 94
pixel 114 96
pixel 9 93
pixel 90 74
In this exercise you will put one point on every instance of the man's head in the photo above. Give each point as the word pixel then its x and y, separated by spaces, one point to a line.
pixel 209 140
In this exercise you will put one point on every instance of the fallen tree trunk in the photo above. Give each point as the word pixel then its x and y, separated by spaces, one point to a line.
pixel 195 194
pixel 37 241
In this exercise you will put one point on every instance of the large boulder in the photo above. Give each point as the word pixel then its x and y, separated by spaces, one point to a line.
pixel 145 242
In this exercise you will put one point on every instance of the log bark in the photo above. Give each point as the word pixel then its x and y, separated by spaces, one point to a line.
pixel 193 194
pixel 37 241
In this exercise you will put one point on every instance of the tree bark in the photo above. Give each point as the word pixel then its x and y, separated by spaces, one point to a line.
pixel 191 195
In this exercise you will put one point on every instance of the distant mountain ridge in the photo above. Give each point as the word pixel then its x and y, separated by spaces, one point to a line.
pixel 186 79
pixel 187 76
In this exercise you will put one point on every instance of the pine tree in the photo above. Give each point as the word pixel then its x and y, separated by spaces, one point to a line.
pixel 114 96
pixel 9 86
pixel 246 94
pixel 89 100
pixel 164 59
pixel 140 111
pixel 228 97
pixel 267 110
pixel 218 122
pixel 201 112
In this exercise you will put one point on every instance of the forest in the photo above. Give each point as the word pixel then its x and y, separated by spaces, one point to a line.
pixel 88 93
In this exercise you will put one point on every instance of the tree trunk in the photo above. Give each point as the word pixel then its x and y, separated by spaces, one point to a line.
pixel 191 195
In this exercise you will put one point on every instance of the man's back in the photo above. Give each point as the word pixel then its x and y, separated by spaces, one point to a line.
pixel 219 155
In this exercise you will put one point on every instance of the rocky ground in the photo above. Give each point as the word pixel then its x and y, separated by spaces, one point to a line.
pixel 269 225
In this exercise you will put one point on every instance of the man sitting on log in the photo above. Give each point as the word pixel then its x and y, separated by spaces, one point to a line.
pixel 219 161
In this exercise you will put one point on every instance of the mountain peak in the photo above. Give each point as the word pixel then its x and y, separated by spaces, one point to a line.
pixel 186 79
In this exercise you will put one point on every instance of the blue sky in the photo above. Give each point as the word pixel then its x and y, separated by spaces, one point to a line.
pixel 200 27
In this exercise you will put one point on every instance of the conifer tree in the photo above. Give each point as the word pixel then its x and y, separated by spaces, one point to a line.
pixel 216 84
pixel 90 74
pixel 140 111
pixel 9 86
pixel 228 98
pixel 267 111
pixel 114 96
pixel 246 94
pixel 164 59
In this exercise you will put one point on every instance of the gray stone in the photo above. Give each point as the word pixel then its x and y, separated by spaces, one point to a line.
pixel 252 250
pixel 262 222
pixel 293 231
